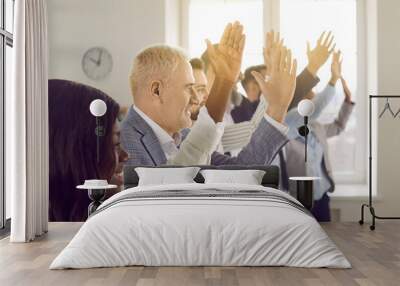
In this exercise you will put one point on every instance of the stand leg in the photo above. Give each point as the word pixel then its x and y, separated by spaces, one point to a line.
pixel 372 210
pixel 93 207
pixel 361 221
pixel 97 197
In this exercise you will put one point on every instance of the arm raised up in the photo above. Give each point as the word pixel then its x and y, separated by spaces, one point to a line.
pixel 279 88
pixel 226 60
pixel 318 56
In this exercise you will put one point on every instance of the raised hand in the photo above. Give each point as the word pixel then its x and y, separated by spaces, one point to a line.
pixel 320 54
pixel 347 92
pixel 226 59
pixel 279 88
pixel 336 67
pixel 273 42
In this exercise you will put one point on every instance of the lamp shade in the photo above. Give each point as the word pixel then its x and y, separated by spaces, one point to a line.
pixel 305 107
pixel 98 107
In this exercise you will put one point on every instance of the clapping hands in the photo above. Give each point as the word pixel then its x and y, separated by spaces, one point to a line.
pixel 318 56
pixel 279 88
pixel 346 90
pixel 273 42
pixel 336 74
pixel 336 67
pixel 226 59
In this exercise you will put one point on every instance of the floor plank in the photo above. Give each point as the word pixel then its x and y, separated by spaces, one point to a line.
pixel 375 257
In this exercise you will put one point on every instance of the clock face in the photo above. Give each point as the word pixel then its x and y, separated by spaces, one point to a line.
pixel 97 63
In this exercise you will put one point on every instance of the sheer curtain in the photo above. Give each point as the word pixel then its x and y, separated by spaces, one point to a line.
pixel 27 123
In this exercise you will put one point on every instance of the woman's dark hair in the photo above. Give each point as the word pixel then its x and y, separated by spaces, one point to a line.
pixel 72 147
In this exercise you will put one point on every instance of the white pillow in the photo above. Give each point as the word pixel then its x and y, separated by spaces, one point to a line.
pixel 248 177
pixel 163 176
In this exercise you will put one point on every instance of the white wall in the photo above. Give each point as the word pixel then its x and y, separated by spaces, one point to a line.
pixel 389 83
pixel 173 22
pixel 384 64
pixel 123 27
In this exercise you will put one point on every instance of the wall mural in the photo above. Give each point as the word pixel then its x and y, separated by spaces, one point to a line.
pixel 115 103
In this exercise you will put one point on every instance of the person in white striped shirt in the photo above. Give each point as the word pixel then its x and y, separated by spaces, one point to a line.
pixel 235 136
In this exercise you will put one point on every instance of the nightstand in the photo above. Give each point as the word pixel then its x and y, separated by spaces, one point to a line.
pixel 96 191
pixel 304 190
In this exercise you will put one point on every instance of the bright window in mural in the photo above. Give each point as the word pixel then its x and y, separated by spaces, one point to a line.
pixel 220 12
pixel 312 18
pixel 347 151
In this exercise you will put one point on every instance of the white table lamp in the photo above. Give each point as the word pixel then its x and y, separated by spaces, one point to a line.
pixel 98 108
pixel 305 109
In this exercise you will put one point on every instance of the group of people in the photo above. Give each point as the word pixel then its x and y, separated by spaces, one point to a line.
pixel 189 112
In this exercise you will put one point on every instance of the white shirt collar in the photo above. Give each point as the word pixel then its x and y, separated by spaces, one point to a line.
pixel 168 144
pixel 227 119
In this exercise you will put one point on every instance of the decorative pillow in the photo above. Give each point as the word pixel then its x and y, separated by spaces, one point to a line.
pixel 163 176
pixel 248 177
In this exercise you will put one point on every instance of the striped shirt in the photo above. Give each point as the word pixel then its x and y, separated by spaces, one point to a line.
pixel 238 135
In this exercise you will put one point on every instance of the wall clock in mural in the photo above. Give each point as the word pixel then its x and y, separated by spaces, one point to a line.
pixel 97 63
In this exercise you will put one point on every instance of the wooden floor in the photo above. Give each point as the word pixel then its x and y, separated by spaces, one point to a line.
pixel 375 257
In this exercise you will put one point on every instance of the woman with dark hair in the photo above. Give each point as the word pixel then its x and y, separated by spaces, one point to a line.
pixel 72 147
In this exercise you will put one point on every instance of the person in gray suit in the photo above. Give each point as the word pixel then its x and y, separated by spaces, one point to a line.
pixel 318 163
pixel 162 86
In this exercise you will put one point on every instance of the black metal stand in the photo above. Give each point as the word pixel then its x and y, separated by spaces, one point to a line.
pixel 100 132
pixel 97 197
pixel 370 202
pixel 303 131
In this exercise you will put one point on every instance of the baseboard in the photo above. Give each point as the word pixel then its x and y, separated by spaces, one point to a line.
pixel 335 215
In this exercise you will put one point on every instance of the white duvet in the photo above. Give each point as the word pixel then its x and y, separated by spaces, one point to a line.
pixel 200 231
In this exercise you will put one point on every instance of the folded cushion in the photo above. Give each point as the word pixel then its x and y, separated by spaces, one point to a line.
pixel 248 177
pixel 162 176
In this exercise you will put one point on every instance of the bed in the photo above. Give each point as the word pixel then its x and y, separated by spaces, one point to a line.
pixel 199 224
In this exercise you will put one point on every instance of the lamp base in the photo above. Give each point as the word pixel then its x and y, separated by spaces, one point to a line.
pixel 303 130
pixel 97 196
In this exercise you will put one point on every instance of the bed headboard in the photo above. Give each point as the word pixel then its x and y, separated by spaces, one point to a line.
pixel 270 179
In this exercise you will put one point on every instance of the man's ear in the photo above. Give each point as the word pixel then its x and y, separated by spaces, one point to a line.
pixel 156 89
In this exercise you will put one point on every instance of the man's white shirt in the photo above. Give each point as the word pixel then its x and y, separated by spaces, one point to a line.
pixel 203 139
pixel 168 144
